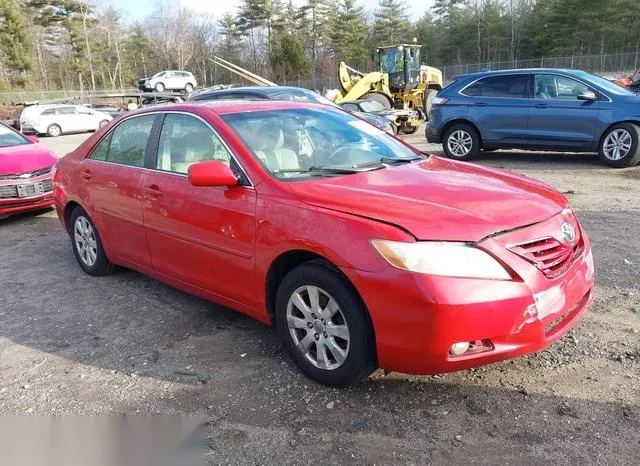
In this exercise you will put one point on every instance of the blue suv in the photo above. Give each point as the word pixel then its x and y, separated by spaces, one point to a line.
pixel 537 109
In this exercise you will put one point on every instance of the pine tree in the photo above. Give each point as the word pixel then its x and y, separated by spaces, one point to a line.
pixel 349 32
pixel 16 44
pixel 314 18
pixel 392 23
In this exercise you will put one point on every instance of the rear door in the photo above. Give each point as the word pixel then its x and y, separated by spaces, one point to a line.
pixel 69 119
pixel 200 235
pixel 499 107
pixel 558 120
pixel 111 180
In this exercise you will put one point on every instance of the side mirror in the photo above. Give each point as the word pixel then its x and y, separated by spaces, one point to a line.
pixel 211 173
pixel 33 139
pixel 588 95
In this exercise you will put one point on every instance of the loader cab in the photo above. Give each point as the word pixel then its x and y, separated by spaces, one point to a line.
pixel 402 64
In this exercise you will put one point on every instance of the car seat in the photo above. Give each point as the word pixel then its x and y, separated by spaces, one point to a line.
pixel 271 151
pixel 541 90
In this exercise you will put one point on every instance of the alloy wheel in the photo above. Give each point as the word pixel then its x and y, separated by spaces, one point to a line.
pixel 460 143
pixel 318 327
pixel 85 240
pixel 617 144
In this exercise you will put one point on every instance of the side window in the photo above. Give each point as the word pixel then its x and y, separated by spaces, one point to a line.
pixel 551 86
pixel 129 141
pixel 66 111
pixel 49 111
pixel 507 86
pixel 100 151
pixel 185 140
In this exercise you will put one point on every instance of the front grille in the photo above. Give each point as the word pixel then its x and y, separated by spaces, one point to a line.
pixel 548 254
pixel 11 191
pixel 33 174
pixel 8 192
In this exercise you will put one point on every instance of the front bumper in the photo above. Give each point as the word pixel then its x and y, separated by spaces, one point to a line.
pixel 12 204
pixel 414 333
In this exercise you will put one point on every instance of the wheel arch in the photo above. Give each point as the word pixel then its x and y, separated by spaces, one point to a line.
pixel 289 260
pixel 608 128
pixel 457 121
pixel 68 209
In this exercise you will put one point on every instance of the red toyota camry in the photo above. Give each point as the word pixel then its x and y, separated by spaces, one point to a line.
pixel 362 250
pixel 25 173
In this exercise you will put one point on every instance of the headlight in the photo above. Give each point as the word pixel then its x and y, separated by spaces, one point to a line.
pixel 441 258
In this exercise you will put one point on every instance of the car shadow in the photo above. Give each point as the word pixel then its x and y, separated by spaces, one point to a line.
pixel 541 160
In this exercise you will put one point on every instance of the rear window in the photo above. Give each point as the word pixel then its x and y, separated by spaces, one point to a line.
pixel 507 86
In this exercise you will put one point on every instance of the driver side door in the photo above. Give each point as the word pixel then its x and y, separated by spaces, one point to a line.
pixel 199 235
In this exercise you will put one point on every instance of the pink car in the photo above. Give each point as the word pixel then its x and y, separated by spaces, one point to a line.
pixel 25 173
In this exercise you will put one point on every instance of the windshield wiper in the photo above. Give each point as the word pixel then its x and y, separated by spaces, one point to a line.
pixel 391 160
pixel 365 167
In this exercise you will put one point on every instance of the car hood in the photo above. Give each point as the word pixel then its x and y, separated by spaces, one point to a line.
pixel 438 199
pixel 16 160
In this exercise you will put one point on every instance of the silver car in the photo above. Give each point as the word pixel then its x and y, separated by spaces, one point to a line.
pixel 57 119
pixel 169 81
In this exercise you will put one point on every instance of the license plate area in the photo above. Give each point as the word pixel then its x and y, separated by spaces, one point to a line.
pixel 30 190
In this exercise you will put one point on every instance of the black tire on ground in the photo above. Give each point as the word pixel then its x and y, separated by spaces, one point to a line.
pixel 360 358
pixel 620 146
pixel 83 232
pixel 410 129
pixel 159 87
pixel 461 142
pixel 54 131
pixel 188 88
pixel 428 101
pixel 381 98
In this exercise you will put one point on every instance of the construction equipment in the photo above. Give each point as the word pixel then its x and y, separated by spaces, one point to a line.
pixel 401 83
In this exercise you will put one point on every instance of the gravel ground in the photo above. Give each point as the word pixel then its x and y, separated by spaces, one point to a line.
pixel 73 344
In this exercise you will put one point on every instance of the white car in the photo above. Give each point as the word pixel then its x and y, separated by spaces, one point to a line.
pixel 169 81
pixel 57 119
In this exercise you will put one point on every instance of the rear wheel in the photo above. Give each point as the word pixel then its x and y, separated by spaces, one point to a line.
pixel 428 101
pixel 620 146
pixel 87 246
pixel 54 131
pixel 461 142
pixel 324 326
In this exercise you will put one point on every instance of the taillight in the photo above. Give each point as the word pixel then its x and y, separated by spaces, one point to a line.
pixel 439 101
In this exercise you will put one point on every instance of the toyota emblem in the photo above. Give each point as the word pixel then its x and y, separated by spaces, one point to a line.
pixel 568 232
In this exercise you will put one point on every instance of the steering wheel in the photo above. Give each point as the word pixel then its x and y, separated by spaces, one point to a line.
pixel 344 148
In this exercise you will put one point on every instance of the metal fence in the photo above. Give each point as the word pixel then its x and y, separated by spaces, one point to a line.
pixel 6 98
pixel 608 65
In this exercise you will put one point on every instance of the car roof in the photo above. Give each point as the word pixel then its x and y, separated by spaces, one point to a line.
pixel 482 74
pixel 223 107
pixel 262 90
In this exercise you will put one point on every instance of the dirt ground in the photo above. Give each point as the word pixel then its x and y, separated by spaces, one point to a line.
pixel 73 344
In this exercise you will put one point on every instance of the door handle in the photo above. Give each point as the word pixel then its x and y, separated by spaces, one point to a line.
pixel 542 106
pixel 153 191
pixel 86 174
pixel 481 104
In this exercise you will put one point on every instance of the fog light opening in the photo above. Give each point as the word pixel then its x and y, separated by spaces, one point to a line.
pixel 464 348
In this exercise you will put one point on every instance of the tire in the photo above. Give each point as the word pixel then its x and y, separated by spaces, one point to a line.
pixel 461 142
pixel 103 123
pixel 159 87
pixel 428 101
pixel 349 357
pixel 380 98
pixel 84 232
pixel 620 146
pixel 54 131
pixel 411 129
pixel 188 88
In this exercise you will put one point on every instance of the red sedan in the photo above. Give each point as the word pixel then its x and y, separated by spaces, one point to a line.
pixel 25 173
pixel 362 250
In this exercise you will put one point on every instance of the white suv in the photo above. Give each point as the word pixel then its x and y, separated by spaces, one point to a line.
pixel 56 119
pixel 169 81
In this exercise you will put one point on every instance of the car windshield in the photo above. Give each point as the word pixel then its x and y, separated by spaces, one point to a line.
pixel 607 85
pixel 11 138
pixel 159 75
pixel 306 142
pixel 371 106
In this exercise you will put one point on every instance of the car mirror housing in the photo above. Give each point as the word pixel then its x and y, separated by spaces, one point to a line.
pixel 212 173
pixel 587 95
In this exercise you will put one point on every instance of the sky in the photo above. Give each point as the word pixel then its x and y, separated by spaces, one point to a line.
pixel 137 9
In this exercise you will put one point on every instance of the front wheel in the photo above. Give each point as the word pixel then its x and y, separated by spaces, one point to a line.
pixel 159 87
pixel 87 246
pixel 54 131
pixel 461 142
pixel 188 88
pixel 324 326
pixel 620 146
